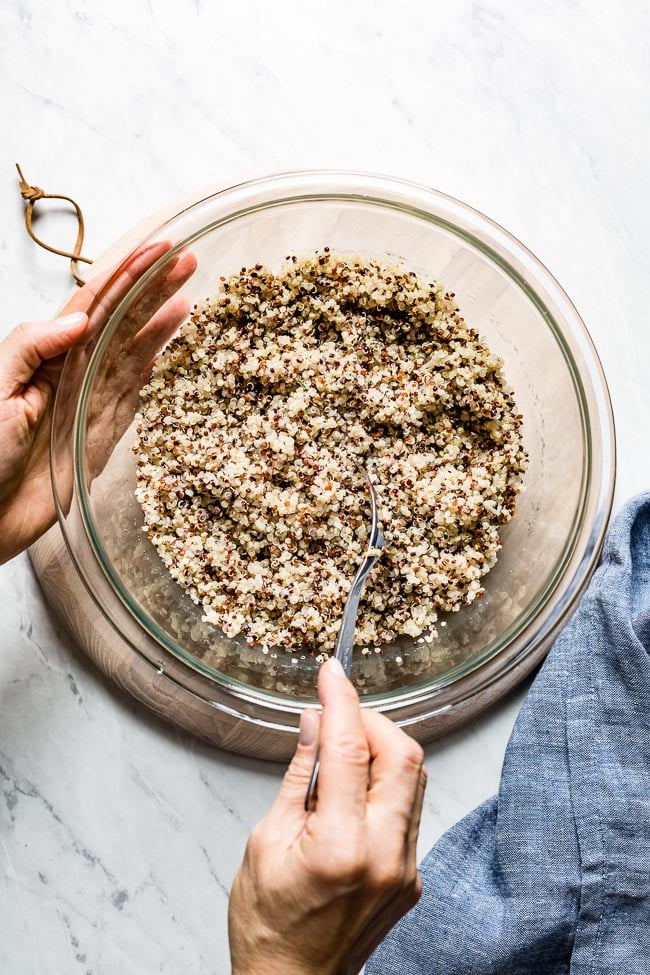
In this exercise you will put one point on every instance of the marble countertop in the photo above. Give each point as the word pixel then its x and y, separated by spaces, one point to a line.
pixel 119 837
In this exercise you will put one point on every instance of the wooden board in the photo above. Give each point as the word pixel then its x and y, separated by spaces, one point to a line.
pixel 212 717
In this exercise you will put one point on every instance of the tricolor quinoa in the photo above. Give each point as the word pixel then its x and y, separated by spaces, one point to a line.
pixel 257 417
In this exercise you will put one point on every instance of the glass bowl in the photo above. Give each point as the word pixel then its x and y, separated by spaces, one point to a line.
pixel 548 549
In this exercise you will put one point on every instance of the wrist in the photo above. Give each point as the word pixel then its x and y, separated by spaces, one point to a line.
pixel 278 967
pixel 276 963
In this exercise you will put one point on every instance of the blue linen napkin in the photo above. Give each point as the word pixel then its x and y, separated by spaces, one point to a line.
pixel 553 875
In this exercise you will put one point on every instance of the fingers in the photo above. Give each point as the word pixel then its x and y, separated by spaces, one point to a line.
pixel 165 309
pixel 396 769
pixel 172 276
pixel 397 846
pixel 162 327
pixel 32 343
pixel 124 277
pixel 152 320
pixel 397 784
pixel 148 324
pixel 82 299
pixel 291 798
pixel 344 754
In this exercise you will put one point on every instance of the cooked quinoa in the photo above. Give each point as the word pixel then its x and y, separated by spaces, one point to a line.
pixel 257 418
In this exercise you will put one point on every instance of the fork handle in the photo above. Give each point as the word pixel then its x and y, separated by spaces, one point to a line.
pixel 344 646
pixel 312 782
pixel 345 642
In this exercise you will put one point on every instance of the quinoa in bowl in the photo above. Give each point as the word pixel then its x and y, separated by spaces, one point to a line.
pixel 257 418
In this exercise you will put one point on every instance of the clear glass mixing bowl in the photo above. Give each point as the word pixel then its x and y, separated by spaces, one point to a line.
pixel 502 290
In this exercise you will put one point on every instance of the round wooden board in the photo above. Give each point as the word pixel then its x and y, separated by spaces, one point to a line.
pixel 160 693
pixel 211 720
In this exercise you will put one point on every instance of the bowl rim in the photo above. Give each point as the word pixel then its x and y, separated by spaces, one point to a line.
pixel 415 693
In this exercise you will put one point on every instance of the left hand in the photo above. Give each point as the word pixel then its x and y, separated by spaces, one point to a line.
pixel 31 362
pixel 31 359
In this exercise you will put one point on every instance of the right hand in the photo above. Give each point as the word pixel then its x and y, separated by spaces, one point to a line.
pixel 319 890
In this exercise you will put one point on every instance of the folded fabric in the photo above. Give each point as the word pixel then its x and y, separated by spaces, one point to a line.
pixel 553 875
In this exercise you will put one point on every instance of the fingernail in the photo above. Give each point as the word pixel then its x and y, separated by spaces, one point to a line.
pixel 69 321
pixel 336 668
pixel 308 725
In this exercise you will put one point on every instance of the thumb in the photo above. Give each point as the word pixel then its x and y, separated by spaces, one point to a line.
pixel 291 798
pixel 32 343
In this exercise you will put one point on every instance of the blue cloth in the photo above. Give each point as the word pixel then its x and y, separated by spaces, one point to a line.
pixel 553 875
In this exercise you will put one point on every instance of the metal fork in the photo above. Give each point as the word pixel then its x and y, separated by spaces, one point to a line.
pixel 345 641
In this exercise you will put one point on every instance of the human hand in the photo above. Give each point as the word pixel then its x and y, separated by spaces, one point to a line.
pixel 146 326
pixel 31 361
pixel 319 890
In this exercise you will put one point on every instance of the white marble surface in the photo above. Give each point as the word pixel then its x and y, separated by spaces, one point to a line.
pixel 118 836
